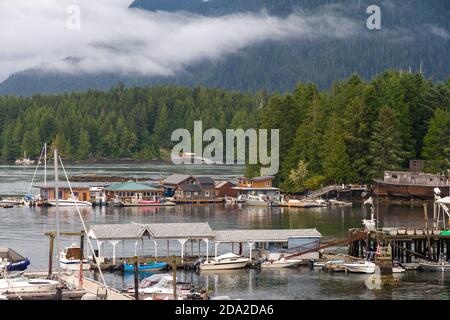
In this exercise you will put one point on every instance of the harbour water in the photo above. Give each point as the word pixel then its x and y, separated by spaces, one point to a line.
pixel 23 230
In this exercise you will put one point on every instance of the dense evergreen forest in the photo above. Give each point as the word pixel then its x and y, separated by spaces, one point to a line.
pixel 121 123
pixel 350 133
pixel 358 129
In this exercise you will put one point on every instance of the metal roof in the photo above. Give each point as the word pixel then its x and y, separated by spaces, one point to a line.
pixel 118 231
pixel 176 179
pixel 205 180
pixel 189 187
pixel 220 184
pixel 130 186
pixel 263 235
pixel 180 230
pixel 133 231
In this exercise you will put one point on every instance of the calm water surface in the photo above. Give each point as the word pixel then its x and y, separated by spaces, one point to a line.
pixel 23 230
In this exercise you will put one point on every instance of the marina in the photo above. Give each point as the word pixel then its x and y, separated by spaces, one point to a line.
pixel 262 236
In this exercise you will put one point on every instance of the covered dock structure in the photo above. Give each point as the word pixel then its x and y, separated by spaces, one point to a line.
pixel 199 233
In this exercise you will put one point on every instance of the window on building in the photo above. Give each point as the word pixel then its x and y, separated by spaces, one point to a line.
pixel 195 193
pixel 207 194
pixel 188 194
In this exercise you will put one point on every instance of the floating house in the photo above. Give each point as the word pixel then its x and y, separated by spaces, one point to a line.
pixel 172 182
pixel 225 189
pixel 126 191
pixel 81 190
pixel 411 184
pixel 190 189
pixel 258 185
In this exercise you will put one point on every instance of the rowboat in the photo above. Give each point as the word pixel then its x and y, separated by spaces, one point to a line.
pixel 145 267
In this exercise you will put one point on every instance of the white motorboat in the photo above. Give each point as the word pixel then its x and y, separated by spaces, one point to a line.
pixel 22 284
pixel 70 203
pixel 280 263
pixel 260 200
pixel 440 266
pixel 360 267
pixel 10 202
pixel 70 259
pixel 163 289
pixel 224 262
pixel 24 161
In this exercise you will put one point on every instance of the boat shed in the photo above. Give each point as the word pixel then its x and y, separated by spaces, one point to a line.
pixel 199 232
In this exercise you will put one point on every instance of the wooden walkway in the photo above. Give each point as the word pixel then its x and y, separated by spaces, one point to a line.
pixel 94 287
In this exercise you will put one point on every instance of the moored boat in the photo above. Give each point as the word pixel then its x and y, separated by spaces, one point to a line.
pixel 69 259
pixel 280 263
pixel 69 203
pixel 360 267
pixel 22 284
pixel 441 266
pixel 225 262
pixel 260 200
pixel 12 261
pixel 145 267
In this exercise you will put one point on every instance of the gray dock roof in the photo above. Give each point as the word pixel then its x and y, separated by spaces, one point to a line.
pixel 263 235
pixel 133 231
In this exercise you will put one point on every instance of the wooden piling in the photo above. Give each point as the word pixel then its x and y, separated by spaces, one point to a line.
pixel 136 278
pixel 50 254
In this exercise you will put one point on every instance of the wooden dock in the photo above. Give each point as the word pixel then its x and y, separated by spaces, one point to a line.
pixel 95 288
pixel 408 244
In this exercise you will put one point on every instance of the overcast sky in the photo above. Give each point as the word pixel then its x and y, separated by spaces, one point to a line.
pixel 34 34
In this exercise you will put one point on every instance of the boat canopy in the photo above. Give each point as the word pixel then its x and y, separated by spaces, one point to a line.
pixel 445 200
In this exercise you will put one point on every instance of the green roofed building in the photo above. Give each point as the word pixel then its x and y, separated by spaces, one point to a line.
pixel 128 190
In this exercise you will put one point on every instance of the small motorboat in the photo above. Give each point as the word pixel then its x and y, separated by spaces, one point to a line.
pixel 69 203
pixel 24 161
pixel 149 282
pixel 21 265
pixel 145 267
pixel 70 259
pixel 260 200
pixel 280 263
pixel 8 202
pixel 360 267
pixel 163 290
pixel 22 284
pixel 12 261
pixel 224 262
pixel 440 266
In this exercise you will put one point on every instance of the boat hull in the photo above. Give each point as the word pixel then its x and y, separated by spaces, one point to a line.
pixel 223 265
pixel 382 188
pixel 35 285
pixel 360 268
pixel 279 265
pixel 436 267
pixel 74 265
pixel 69 203
pixel 147 204
pixel 158 266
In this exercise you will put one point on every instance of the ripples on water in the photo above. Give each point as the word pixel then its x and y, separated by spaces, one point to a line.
pixel 23 230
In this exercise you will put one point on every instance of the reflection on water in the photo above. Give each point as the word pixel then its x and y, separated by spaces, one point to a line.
pixel 23 229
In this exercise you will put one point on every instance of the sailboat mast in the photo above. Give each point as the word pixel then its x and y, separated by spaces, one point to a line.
pixel 57 219
pixel 45 164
